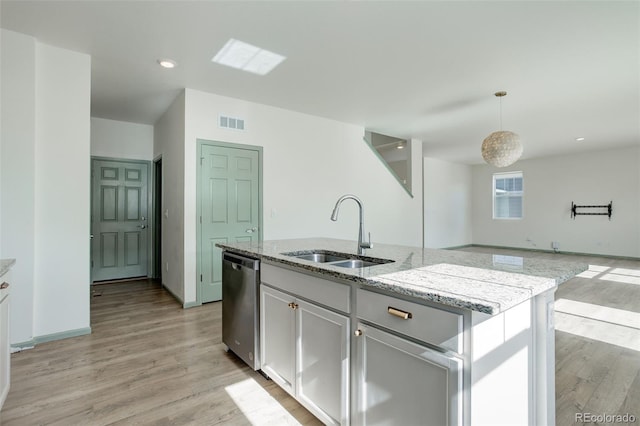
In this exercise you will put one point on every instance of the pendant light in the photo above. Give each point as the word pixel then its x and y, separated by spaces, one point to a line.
pixel 501 148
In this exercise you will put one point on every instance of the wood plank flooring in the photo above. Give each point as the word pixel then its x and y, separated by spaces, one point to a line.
pixel 147 362
pixel 150 362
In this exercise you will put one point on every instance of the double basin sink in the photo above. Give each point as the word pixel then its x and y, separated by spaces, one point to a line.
pixel 341 260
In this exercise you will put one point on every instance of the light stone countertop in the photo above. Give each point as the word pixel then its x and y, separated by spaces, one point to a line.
pixel 477 281
pixel 5 265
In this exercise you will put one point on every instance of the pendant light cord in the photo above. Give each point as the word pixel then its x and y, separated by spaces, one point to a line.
pixel 500 97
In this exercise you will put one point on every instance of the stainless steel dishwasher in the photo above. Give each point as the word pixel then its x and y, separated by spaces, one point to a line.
pixel 241 307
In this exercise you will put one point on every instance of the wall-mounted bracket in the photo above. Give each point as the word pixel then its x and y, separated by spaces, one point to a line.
pixel 575 212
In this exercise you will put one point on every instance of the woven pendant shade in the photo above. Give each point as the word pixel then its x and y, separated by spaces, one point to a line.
pixel 501 148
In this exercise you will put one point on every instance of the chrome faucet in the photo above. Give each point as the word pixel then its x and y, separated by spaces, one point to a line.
pixel 334 216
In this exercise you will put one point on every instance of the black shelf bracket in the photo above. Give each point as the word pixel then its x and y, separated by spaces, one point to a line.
pixel 575 212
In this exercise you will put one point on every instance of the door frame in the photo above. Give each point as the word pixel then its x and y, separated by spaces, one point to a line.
pixel 199 144
pixel 156 215
pixel 150 189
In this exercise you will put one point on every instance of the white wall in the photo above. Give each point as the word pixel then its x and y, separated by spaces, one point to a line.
pixel 447 204
pixel 18 175
pixel 309 162
pixel 45 186
pixel 169 143
pixel 120 139
pixel 62 183
pixel 550 185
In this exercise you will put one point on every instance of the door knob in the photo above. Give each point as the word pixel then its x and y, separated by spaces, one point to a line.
pixel 251 230
pixel 142 226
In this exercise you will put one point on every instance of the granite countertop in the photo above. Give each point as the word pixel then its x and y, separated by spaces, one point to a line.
pixel 5 265
pixel 477 281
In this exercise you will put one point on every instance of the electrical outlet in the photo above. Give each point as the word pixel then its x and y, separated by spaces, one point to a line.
pixel 166 266
pixel 555 245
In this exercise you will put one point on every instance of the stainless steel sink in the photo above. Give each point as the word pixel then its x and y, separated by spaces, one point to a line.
pixel 356 263
pixel 321 257
pixel 341 260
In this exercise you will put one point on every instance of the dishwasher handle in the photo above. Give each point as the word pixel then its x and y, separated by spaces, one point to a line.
pixel 237 261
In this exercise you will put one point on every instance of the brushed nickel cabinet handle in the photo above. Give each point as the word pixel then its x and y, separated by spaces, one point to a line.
pixel 398 313
pixel 4 285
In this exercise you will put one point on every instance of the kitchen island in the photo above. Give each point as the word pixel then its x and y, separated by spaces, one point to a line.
pixel 420 336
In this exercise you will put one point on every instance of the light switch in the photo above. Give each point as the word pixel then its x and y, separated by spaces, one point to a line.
pixel 166 213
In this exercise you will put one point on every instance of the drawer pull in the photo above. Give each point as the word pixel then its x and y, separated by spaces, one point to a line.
pixel 398 313
pixel 4 285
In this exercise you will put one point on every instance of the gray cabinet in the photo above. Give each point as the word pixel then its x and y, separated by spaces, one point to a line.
pixel 305 349
pixel 401 382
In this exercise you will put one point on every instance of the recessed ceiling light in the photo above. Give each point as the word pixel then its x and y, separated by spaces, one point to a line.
pixel 167 63
pixel 580 139
pixel 247 57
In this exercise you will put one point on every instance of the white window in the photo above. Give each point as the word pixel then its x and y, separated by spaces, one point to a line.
pixel 507 195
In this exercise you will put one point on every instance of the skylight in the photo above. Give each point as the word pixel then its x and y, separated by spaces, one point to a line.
pixel 247 57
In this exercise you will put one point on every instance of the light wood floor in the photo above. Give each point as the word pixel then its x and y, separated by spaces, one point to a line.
pixel 148 361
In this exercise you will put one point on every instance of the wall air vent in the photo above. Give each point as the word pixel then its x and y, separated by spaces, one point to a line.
pixel 231 122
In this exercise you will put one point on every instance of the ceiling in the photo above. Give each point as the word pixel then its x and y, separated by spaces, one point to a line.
pixel 416 69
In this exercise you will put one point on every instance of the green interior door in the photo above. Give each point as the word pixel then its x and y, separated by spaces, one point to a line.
pixel 119 220
pixel 230 212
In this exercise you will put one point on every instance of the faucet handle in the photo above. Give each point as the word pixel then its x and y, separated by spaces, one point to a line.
pixel 367 245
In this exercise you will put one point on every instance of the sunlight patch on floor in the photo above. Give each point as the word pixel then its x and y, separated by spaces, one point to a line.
pixel 615 326
pixel 592 271
pixel 257 405
pixel 621 278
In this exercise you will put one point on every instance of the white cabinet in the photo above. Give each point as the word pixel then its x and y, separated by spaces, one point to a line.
pixel 5 353
pixel 403 383
pixel 305 349
pixel 277 334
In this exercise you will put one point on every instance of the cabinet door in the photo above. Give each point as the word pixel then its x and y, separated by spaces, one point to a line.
pixel 401 382
pixel 277 334
pixel 322 350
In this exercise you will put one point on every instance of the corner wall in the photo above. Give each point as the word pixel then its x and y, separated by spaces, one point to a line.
pixel 168 141
pixel 447 204
pixel 63 180
pixel 45 187
pixel 18 175
pixel 550 185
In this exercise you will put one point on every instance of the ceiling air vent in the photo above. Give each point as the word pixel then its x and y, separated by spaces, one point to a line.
pixel 231 122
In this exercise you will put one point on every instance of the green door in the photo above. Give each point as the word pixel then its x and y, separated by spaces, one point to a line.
pixel 119 219
pixel 230 208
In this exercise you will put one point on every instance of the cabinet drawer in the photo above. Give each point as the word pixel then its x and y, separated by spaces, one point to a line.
pixel 431 325
pixel 318 290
